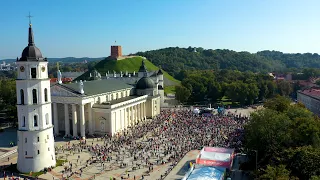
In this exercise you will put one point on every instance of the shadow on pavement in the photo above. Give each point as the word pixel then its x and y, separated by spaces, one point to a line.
pixel 184 169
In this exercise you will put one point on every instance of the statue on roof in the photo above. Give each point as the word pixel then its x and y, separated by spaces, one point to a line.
pixel 81 91
pixel 59 75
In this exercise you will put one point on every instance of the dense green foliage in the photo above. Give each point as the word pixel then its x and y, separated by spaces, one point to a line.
pixel 286 138
pixel 294 60
pixel 8 98
pixel 175 59
pixel 243 88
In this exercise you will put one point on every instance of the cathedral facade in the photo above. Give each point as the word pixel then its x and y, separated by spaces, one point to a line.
pixel 102 106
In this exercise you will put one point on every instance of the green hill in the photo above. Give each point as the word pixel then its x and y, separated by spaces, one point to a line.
pixel 129 64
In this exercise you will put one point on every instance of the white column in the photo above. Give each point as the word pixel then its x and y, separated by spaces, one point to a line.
pixel 135 114
pixel 82 121
pixel 144 111
pixel 124 118
pixel 66 120
pixel 139 114
pixel 120 119
pixel 55 118
pixel 114 120
pixel 74 120
pixel 91 127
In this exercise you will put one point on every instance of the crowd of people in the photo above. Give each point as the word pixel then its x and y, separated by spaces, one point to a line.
pixel 161 141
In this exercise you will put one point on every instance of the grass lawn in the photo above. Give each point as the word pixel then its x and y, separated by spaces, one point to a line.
pixel 227 101
pixel 128 64
pixel 60 162
pixel 170 89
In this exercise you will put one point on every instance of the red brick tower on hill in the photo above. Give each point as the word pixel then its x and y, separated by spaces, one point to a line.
pixel 116 51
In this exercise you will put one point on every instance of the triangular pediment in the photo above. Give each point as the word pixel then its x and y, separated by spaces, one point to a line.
pixel 59 90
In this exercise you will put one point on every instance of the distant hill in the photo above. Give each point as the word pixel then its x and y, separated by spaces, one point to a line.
pixel 64 60
pixel 293 60
pixel 129 64
pixel 175 59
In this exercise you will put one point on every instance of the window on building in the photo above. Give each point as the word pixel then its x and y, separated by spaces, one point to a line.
pixel 33 72
pixel 38 151
pixel 25 140
pixel 107 99
pixel 45 94
pixel 52 157
pixel 35 121
pixel 21 96
pixel 117 96
pixel 24 121
pixel 48 149
pixel 47 136
pixel 38 139
pixel 26 152
pixel 47 119
pixel 111 97
pixel 34 96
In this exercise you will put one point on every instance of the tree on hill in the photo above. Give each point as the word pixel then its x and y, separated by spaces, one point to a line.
pixel 175 59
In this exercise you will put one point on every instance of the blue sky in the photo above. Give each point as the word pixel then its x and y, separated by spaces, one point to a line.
pixel 83 28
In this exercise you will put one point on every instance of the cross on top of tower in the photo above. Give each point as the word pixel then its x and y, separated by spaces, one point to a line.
pixel 29 16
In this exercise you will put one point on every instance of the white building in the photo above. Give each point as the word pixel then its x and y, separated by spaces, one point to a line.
pixel 131 77
pixel 102 106
pixel 35 131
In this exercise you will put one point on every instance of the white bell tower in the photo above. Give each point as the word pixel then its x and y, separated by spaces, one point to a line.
pixel 35 130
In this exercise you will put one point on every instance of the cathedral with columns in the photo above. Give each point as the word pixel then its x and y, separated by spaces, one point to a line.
pixel 100 106
pixel 103 106
pixel 77 109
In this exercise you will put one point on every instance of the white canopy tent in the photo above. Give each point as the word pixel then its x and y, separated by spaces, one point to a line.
pixel 196 111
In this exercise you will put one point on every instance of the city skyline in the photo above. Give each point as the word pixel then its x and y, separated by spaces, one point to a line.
pixel 88 29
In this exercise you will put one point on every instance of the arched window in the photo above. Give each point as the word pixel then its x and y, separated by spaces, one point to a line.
pixel 47 119
pixel 21 96
pixel 112 97
pixel 24 121
pixel 34 96
pixel 45 94
pixel 35 121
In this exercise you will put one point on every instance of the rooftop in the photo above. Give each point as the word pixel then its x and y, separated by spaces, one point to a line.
pixel 314 92
pixel 99 86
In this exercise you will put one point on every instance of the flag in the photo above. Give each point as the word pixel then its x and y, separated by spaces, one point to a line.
pixel 190 164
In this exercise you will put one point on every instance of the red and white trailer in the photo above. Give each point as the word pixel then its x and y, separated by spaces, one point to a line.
pixel 215 156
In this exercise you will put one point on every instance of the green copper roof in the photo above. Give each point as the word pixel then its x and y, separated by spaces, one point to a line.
pixel 99 86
